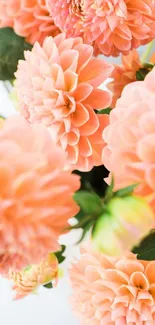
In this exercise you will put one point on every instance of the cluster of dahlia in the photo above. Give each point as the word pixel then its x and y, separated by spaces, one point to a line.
pixel 81 150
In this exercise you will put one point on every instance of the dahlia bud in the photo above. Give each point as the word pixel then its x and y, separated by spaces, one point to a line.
pixel 125 222
pixel 28 280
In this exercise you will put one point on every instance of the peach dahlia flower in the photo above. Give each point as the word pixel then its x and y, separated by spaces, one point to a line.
pixel 113 26
pixel 113 291
pixel 57 85
pixel 28 280
pixel 130 137
pixel 124 74
pixel 35 194
pixel 29 18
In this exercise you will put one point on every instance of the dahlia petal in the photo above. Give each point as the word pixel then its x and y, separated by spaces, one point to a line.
pixel 130 266
pixel 44 68
pixel 103 122
pixel 53 54
pixel 150 176
pixel 66 44
pixel 80 116
pixel 73 137
pixel 142 7
pixel 85 164
pixel 144 297
pixel 112 22
pixel 99 99
pixel 47 84
pixel 58 76
pixel 121 43
pixel 85 55
pixel 95 72
pixel 139 280
pixel 71 80
pixel 150 271
pixel 147 122
pixel 39 50
pixel 82 91
pixel 146 149
pixel 124 32
pixel 72 154
pixel 152 290
pixel 59 39
pixel 37 83
pixel 91 125
pixel 67 123
pixel 69 60
pixel 85 147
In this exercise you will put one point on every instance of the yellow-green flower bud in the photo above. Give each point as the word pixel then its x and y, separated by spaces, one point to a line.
pixel 126 221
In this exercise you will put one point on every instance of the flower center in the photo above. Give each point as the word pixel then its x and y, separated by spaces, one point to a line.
pixel 110 7
pixel 77 7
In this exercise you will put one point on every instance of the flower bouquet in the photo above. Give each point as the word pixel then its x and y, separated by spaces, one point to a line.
pixel 79 155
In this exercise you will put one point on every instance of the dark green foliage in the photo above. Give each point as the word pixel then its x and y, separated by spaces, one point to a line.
pixel 146 249
pixel 48 285
pixel 142 72
pixel 12 49
pixel 59 254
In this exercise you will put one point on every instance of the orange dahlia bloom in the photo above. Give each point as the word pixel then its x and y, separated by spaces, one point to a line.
pixel 110 291
pixel 114 26
pixel 124 74
pixel 57 85
pixel 28 280
pixel 130 137
pixel 35 194
pixel 29 18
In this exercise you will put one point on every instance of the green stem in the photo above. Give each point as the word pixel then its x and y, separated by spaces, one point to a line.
pixel 147 52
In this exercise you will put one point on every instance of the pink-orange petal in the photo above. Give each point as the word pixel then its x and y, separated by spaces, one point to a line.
pixel 99 99
pixel 80 116
pixel 96 72
pixel 91 125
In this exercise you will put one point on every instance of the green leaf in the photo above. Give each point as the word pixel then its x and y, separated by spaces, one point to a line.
pixel 12 49
pixel 109 190
pixel 146 249
pixel 126 190
pixel 148 65
pixel 48 285
pixel 142 72
pixel 82 223
pixel 90 203
pixel 139 76
pixel 59 254
pixel 105 111
pixel 85 230
pixel 80 216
